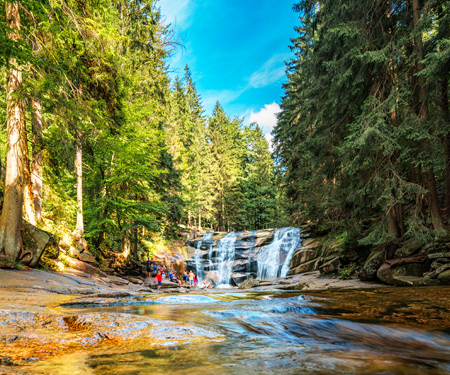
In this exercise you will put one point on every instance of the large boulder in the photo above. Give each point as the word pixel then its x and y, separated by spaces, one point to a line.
pixel 35 241
pixel 408 249
pixel 444 277
pixel 372 264
pixel 387 272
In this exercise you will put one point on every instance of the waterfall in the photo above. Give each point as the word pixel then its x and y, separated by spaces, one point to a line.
pixel 225 258
pixel 197 256
pixel 271 263
pixel 237 256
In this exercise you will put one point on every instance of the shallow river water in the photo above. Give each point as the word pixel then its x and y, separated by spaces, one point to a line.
pixel 382 331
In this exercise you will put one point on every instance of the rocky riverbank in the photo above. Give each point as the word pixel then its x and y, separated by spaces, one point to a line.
pixel 35 327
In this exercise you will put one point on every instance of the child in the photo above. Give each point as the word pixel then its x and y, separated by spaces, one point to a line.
pixel 159 279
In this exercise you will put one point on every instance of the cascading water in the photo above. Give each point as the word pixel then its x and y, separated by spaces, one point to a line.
pixel 270 261
pixel 225 258
pixel 237 256
pixel 197 256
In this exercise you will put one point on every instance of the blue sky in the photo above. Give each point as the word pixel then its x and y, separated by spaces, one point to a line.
pixel 236 51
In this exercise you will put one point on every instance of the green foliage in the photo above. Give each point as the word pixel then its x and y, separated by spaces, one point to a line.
pixel 354 145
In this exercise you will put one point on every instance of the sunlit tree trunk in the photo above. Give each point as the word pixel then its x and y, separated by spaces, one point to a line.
pixel 16 156
pixel 79 172
pixel 125 246
pixel 29 213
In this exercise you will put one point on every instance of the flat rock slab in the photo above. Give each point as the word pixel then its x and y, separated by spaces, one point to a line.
pixel 62 283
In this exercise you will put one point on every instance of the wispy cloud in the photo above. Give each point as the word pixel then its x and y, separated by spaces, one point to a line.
pixel 270 72
pixel 210 97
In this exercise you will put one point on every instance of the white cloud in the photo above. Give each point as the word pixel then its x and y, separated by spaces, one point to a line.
pixel 266 117
pixel 271 71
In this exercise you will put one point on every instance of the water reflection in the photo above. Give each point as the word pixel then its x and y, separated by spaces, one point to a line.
pixel 390 331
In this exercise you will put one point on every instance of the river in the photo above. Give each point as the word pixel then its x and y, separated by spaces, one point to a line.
pixel 379 331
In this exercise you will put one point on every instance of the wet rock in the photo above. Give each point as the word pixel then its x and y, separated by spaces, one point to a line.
pixel 249 283
pixel 238 278
pixel 264 237
pixel 371 265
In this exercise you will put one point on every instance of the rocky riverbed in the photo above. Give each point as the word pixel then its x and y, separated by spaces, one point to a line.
pixel 35 327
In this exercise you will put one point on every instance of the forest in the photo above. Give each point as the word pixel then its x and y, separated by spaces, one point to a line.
pixel 364 135
pixel 97 139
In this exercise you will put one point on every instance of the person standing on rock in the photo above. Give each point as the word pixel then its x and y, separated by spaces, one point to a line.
pixel 159 279
pixel 191 279
pixel 149 268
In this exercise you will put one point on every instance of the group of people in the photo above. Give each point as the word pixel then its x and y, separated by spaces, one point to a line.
pixel 159 272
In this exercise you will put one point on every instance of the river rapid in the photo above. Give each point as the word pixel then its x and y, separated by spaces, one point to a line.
pixel 379 331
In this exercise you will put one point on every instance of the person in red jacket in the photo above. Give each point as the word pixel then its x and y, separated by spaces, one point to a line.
pixel 159 279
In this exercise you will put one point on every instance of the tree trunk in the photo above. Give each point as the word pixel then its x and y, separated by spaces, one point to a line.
pixel 125 246
pixel 29 213
pixel 435 209
pixel 222 214
pixel 444 96
pixel 393 228
pixel 446 117
pixel 11 219
pixel 36 161
pixel 79 172
pixel 135 243
pixel 199 219
pixel 434 202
